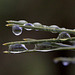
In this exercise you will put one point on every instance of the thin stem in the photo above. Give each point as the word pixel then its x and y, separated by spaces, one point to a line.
pixel 17 22
pixel 34 50
pixel 69 59
pixel 40 41
pixel 46 28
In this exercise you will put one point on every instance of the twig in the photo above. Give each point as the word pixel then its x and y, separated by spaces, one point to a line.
pixel 40 41
pixel 34 50
pixel 46 28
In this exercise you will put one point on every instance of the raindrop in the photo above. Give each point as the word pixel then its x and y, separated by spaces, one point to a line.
pixel 22 21
pixel 37 24
pixel 63 28
pixel 45 26
pixel 43 46
pixel 28 24
pixel 63 35
pixel 65 63
pixel 17 48
pixel 54 28
pixel 16 30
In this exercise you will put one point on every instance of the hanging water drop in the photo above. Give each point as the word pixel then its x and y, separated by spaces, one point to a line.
pixel 63 35
pixel 16 30
pixel 17 48
pixel 54 28
pixel 65 63
pixel 28 24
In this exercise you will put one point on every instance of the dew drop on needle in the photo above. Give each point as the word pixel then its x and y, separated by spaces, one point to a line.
pixel 28 24
pixel 22 21
pixel 54 28
pixel 63 35
pixel 37 24
pixel 16 48
pixel 42 46
pixel 17 30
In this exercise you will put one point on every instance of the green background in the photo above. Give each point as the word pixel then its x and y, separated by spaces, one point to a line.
pixel 48 12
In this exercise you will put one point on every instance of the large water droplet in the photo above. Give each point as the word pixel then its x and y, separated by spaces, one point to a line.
pixel 17 48
pixel 65 63
pixel 54 28
pixel 28 24
pixel 16 30
pixel 63 35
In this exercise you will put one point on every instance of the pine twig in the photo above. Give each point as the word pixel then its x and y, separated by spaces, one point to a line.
pixel 40 41
pixel 46 28
pixel 34 50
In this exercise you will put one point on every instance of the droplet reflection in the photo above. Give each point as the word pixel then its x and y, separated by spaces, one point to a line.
pixel 16 30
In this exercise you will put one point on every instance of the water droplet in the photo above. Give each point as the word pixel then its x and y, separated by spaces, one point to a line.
pixel 65 63
pixel 17 48
pixel 42 46
pixel 54 28
pixel 22 21
pixel 45 26
pixel 37 24
pixel 28 24
pixel 16 30
pixel 63 28
pixel 63 35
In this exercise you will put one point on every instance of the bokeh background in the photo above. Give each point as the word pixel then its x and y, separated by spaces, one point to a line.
pixel 59 12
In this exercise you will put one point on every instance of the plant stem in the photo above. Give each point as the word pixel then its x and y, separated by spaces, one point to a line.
pixel 34 50
pixel 47 28
pixel 40 41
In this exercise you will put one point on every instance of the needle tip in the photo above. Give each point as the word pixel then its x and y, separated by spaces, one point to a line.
pixel 5 51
